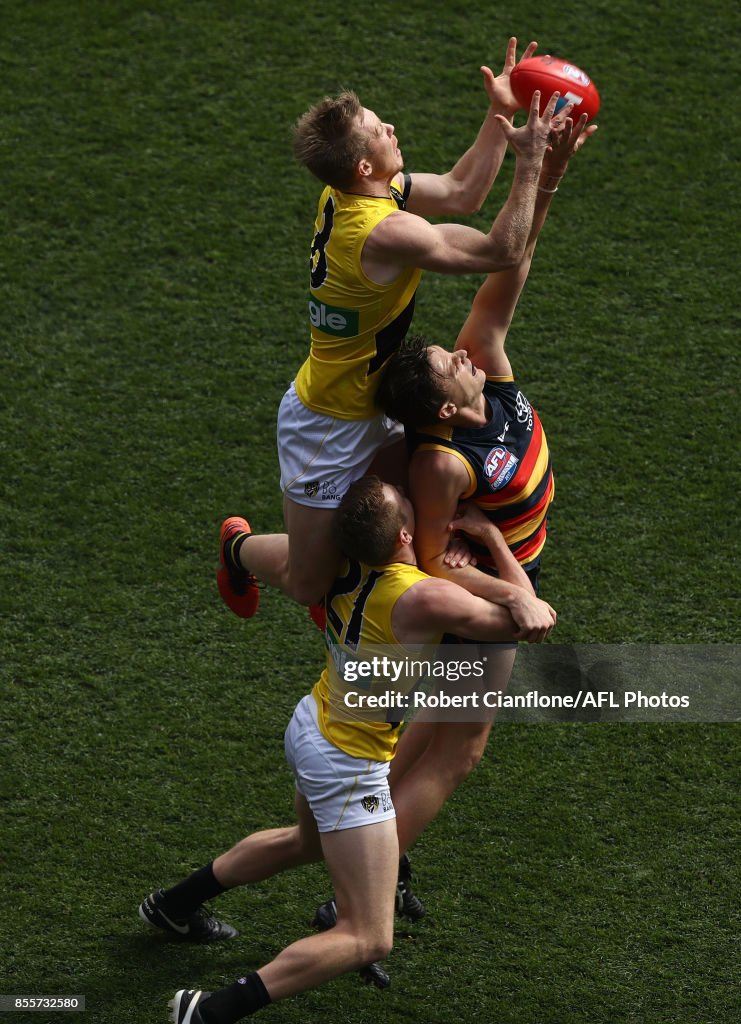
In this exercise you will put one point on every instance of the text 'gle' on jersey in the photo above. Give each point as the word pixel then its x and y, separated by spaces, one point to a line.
pixel 509 467
pixel 356 324
pixel 359 608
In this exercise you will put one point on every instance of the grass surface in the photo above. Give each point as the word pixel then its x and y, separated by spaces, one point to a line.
pixel 152 313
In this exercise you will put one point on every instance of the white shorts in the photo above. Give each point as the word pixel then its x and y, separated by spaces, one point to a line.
pixel 342 791
pixel 320 456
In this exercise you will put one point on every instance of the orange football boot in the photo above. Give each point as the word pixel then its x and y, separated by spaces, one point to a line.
pixel 237 586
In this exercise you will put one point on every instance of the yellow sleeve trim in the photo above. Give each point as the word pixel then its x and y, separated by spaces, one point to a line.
pixel 461 458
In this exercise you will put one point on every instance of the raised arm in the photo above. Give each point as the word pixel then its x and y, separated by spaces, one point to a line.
pixel 484 332
pixel 463 189
pixel 405 240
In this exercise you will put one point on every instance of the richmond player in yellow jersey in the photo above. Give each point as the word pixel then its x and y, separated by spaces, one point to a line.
pixel 371 241
pixel 343 804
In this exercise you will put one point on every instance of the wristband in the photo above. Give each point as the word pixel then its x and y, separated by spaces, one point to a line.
pixel 550 179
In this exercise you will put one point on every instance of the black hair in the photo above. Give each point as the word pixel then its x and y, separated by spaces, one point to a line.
pixel 411 390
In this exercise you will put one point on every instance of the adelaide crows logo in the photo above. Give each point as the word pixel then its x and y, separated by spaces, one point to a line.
pixel 370 804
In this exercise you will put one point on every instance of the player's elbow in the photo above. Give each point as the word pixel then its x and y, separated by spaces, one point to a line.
pixel 506 254
pixel 468 205
pixel 498 252
pixel 461 201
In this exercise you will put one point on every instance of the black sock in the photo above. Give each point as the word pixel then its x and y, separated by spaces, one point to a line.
pixel 405 869
pixel 230 1004
pixel 232 549
pixel 188 895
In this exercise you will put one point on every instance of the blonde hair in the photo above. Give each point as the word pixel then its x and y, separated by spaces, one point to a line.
pixel 367 525
pixel 328 140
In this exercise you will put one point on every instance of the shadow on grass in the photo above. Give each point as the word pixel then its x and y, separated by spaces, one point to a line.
pixel 147 969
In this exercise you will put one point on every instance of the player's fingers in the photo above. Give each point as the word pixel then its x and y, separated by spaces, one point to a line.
pixel 558 126
pixel 587 133
pixel 550 106
pixel 507 126
pixel 582 133
pixel 510 58
pixel 561 115
pixel 559 133
pixel 529 51
pixel 578 128
pixel 534 110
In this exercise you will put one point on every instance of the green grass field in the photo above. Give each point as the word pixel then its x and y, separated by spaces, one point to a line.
pixel 153 311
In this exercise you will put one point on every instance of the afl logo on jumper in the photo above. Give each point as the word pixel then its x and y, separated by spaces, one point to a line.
pixel 499 467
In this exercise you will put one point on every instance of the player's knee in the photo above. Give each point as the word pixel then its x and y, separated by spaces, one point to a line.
pixel 308 850
pixel 308 591
pixel 311 572
pixel 472 754
pixel 368 940
pixel 377 947
pixel 380 950
pixel 308 583
pixel 460 762
pixel 464 766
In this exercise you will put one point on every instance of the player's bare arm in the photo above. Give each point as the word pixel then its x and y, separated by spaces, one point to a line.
pixel 472 521
pixel 484 332
pixel 435 606
pixel 438 480
pixel 403 239
pixel 463 189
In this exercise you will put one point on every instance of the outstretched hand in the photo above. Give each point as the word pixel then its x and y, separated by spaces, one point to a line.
pixel 567 136
pixel 499 88
pixel 532 139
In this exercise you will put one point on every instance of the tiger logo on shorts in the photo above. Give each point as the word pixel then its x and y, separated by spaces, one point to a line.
pixel 370 804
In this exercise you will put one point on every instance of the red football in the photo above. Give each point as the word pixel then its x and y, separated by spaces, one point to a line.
pixel 551 74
